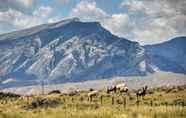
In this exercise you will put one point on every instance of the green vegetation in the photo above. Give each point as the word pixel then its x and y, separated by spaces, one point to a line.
pixel 161 102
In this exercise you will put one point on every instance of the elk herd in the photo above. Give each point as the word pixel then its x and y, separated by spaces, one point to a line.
pixel 121 88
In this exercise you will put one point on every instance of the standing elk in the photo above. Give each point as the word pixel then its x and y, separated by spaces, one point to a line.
pixel 112 88
pixel 91 94
pixel 122 88
pixel 142 92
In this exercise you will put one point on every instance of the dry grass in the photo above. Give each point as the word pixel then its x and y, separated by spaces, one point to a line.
pixel 164 105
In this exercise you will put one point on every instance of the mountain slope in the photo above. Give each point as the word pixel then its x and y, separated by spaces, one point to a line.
pixel 69 50
pixel 169 56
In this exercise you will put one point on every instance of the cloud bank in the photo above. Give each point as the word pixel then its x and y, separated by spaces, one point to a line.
pixel 14 15
pixel 147 21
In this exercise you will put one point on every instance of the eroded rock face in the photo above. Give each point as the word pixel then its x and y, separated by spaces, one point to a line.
pixel 69 50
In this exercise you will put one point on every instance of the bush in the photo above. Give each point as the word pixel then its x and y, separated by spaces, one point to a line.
pixel 39 103
pixel 8 95
pixel 54 92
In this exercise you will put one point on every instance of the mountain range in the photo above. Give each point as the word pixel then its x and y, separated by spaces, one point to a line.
pixel 75 51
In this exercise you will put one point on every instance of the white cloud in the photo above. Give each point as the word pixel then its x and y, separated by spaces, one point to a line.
pixel 54 19
pixel 118 24
pixel 10 15
pixel 149 7
pixel 146 21
pixel 133 5
pixel 87 10
pixel 157 20
pixel 43 11
pixel 19 20
pixel 153 34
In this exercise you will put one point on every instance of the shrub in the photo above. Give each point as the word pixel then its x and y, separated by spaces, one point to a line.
pixel 54 92
pixel 8 95
pixel 43 102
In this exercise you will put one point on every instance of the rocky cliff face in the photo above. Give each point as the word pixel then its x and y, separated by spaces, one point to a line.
pixel 69 50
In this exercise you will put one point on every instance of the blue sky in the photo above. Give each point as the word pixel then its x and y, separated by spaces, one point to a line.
pixel 145 21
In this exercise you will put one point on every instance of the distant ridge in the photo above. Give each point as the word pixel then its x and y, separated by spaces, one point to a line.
pixel 170 55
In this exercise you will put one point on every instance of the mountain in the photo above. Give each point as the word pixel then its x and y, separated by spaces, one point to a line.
pixel 168 56
pixel 69 51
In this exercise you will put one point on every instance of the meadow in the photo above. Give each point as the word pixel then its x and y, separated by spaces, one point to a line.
pixel 163 102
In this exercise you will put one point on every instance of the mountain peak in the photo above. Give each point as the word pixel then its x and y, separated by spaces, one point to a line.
pixel 66 21
pixel 76 23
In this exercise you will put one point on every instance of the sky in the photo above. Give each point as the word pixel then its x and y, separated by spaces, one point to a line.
pixel 144 21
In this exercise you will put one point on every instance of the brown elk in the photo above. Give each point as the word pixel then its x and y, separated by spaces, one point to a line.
pixel 92 94
pixel 122 88
pixel 112 88
pixel 142 92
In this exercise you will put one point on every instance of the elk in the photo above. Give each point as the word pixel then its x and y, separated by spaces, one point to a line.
pixel 91 94
pixel 141 92
pixel 122 88
pixel 112 88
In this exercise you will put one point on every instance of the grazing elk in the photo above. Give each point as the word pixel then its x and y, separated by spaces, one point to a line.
pixel 142 92
pixel 112 88
pixel 122 88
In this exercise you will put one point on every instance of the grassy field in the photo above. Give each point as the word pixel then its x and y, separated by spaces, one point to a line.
pixel 158 103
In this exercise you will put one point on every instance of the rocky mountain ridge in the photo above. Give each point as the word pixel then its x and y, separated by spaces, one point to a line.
pixel 73 51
